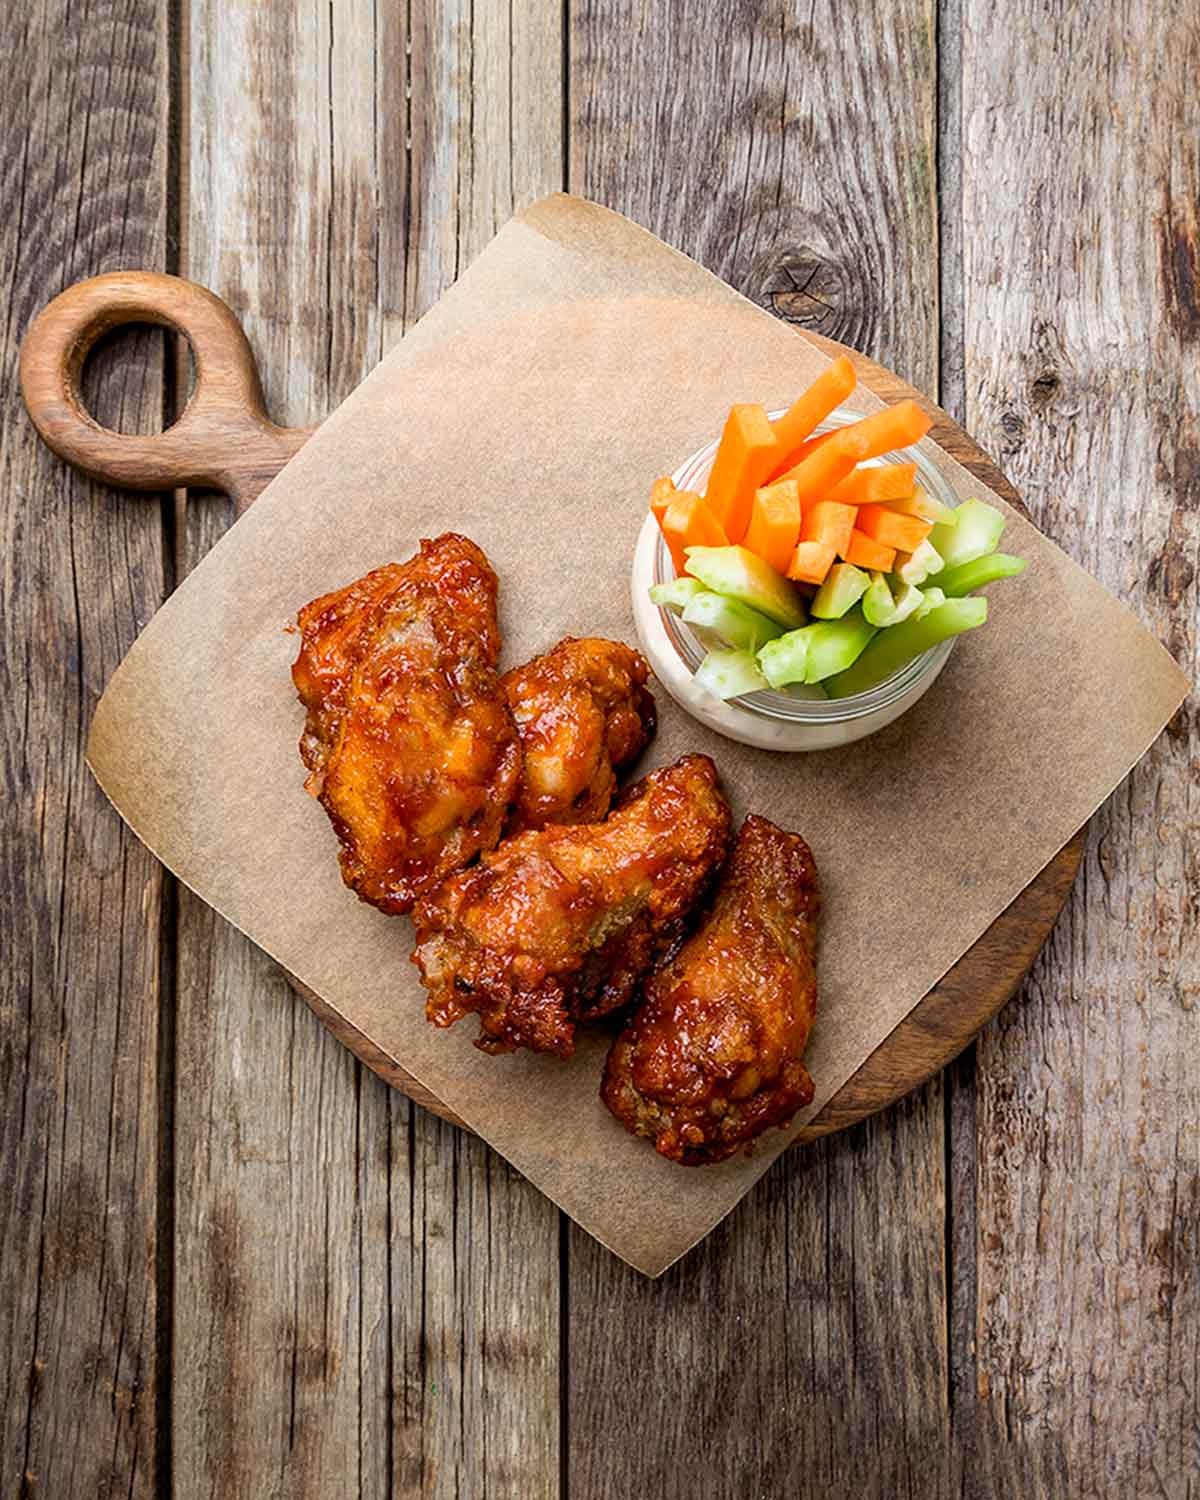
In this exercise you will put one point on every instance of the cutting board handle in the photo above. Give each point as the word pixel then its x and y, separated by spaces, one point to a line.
pixel 224 440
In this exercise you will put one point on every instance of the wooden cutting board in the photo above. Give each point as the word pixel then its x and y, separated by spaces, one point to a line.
pixel 225 440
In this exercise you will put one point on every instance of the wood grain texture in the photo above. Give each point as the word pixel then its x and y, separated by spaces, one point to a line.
pixel 83 183
pixel 1082 320
pixel 802 1345
pixel 375 1294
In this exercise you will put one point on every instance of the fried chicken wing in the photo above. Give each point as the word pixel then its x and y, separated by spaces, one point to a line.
pixel 559 923
pixel 582 711
pixel 409 741
pixel 714 1055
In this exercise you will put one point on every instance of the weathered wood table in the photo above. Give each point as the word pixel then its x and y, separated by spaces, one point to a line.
pixel 222 1277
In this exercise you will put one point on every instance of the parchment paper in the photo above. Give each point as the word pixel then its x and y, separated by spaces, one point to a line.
pixel 577 359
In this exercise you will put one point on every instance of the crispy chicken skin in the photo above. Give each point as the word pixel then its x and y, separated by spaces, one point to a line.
pixel 409 742
pixel 713 1057
pixel 583 712
pixel 559 923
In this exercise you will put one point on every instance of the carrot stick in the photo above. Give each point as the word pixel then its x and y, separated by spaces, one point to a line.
pixel 829 522
pixel 870 486
pixel 810 562
pixel 812 444
pixel 774 527
pixel 827 465
pixel 891 529
pixel 825 394
pixel 662 492
pixel 688 522
pixel 894 427
pixel 864 552
pixel 748 452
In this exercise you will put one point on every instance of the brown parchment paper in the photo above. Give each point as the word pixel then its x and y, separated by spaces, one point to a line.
pixel 574 361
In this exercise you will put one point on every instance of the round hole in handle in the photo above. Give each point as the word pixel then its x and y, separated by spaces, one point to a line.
pixel 122 364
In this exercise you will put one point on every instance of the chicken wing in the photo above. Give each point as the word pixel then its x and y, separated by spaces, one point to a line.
pixel 559 923
pixel 409 742
pixel 582 711
pixel 713 1057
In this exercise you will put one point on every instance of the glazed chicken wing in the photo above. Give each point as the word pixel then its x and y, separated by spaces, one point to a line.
pixel 559 923
pixel 409 742
pixel 714 1056
pixel 582 711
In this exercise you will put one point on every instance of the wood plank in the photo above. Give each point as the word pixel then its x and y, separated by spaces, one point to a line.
pixel 83 181
pixel 375 1294
pixel 803 1344
pixel 1081 326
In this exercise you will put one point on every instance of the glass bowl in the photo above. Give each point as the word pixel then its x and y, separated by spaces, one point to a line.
pixel 772 720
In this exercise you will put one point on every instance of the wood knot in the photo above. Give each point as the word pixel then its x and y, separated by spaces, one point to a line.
pixel 802 287
pixel 1044 387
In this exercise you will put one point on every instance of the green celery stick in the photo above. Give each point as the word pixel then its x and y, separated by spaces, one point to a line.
pixel 785 659
pixel 744 576
pixel 976 532
pixel 916 567
pixel 844 586
pixel 732 624
pixel 836 644
pixel 930 600
pixel 677 594
pixel 908 598
pixel 729 674
pixel 878 606
pixel 924 505
pixel 820 650
pixel 969 576
pixel 895 648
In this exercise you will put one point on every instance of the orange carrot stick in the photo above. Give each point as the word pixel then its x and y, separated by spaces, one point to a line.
pixel 891 529
pixel 894 427
pixel 810 562
pixel 825 394
pixel 689 522
pixel 827 465
pixel 748 452
pixel 864 552
pixel 774 527
pixel 812 444
pixel 829 522
pixel 870 486
pixel 662 492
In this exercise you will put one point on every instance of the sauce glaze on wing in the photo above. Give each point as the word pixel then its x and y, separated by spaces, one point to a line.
pixel 409 742
pixel 583 712
pixel 714 1055
pixel 559 923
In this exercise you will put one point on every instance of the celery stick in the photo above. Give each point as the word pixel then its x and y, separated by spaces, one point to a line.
pixel 731 623
pixel 976 532
pixel 916 567
pixel 676 594
pixel 729 674
pixel 744 576
pixel 895 648
pixel 969 576
pixel 785 659
pixel 908 598
pixel 878 606
pixel 844 586
pixel 836 645
pixel 930 600
pixel 921 503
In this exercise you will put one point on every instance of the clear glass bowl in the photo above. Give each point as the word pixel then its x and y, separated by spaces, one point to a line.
pixel 772 720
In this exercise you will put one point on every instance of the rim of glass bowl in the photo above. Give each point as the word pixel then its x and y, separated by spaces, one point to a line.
pixel 691 475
